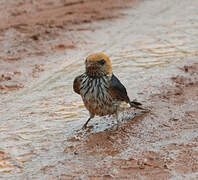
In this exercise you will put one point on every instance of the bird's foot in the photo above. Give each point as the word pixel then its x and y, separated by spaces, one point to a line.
pixel 119 124
pixel 84 126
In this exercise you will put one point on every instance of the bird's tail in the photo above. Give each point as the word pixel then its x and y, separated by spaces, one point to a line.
pixel 136 105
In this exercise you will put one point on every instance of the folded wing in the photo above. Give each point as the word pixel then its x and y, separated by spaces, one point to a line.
pixel 117 89
pixel 77 83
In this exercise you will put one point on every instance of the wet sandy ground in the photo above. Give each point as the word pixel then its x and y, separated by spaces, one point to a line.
pixel 41 28
pixel 153 47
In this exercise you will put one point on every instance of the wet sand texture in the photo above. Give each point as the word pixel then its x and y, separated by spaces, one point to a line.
pixel 154 52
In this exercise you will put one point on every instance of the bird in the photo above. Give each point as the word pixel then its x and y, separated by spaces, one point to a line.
pixel 101 91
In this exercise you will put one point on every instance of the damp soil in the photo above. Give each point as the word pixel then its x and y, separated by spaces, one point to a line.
pixel 41 28
pixel 154 53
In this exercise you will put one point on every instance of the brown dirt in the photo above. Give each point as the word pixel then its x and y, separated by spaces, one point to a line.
pixel 102 154
pixel 36 28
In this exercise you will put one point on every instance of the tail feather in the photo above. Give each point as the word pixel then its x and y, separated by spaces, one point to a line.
pixel 136 105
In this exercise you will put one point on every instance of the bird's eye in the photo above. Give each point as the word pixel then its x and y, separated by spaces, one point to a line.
pixel 101 62
pixel 86 60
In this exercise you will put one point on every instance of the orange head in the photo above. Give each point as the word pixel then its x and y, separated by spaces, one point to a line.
pixel 97 65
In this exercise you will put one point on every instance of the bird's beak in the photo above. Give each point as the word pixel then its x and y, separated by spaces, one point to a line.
pixel 92 66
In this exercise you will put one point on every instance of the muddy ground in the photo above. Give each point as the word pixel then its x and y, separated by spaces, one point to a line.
pixel 40 28
pixel 40 138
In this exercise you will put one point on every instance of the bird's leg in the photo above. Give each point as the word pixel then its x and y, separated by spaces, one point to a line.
pixel 91 117
pixel 118 117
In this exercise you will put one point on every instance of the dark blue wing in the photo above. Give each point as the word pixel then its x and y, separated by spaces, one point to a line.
pixel 117 89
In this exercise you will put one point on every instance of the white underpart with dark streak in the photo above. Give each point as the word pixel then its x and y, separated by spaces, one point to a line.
pixel 96 96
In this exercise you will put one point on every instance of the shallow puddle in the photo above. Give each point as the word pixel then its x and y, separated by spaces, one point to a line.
pixel 37 120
